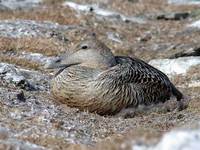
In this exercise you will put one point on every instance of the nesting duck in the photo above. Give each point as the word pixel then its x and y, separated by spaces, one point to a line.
pixel 91 78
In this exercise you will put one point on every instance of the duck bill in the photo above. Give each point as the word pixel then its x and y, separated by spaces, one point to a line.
pixel 59 64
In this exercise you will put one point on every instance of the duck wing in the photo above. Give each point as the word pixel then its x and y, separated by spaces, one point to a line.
pixel 139 82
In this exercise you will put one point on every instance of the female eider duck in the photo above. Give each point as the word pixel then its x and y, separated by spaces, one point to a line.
pixel 91 78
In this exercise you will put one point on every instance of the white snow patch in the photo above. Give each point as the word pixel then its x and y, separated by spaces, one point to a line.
pixel 114 37
pixel 176 140
pixel 102 12
pixel 91 7
pixel 175 66
pixel 15 74
pixel 12 74
pixel 37 57
pixel 195 83
pixel 184 2
pixel 15 4
pixel 24 28
pixel 195 24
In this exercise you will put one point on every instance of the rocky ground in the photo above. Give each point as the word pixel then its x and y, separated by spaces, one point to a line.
pixel 33 33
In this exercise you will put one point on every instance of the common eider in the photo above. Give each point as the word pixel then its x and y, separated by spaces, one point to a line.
pixel 91 78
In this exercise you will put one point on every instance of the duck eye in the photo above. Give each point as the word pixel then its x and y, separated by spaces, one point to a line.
pixel 84 47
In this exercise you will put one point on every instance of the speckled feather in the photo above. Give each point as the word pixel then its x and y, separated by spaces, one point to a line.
pixel 127 83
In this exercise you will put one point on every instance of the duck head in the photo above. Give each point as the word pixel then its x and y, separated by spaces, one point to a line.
pixel 88 53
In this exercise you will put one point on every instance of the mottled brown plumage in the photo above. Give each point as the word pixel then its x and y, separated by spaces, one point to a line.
pixel 92 78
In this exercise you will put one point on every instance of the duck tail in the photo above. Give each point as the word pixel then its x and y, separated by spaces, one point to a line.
pixel 177 93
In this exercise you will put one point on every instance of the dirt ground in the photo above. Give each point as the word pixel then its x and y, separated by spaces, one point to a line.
pixel 39 120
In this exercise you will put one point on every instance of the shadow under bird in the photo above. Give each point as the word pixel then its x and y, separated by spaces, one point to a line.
pixel 91 78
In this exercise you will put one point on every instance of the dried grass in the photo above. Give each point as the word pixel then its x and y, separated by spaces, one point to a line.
pixel 11 46
pixel 59 14
pixel 46 46
pixel 20 62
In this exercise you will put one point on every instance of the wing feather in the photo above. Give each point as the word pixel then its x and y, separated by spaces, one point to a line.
pixel 148 84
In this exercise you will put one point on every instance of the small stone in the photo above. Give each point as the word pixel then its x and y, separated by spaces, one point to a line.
pixel 21 97
pixel 146 37
pixel 3 133
pixel 180 116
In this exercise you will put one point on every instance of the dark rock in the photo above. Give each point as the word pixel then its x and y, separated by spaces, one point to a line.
pixel 21 97
pixel 186 53
pixel 133 1
pixel 173 16
pixel 24 84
